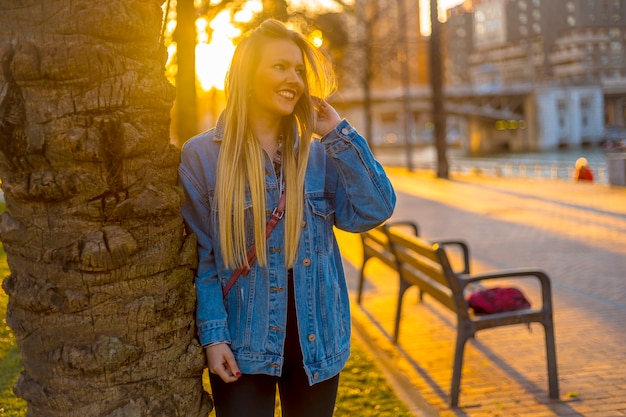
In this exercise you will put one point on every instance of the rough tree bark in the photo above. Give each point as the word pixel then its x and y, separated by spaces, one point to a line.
pixel 101 294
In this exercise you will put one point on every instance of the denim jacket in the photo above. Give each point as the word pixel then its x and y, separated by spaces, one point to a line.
pixel 345 187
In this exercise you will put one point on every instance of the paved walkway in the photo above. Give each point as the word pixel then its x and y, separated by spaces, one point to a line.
pixel 575 232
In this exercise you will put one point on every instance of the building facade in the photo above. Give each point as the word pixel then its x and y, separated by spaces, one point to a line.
pixel 520 75
pixel 567 54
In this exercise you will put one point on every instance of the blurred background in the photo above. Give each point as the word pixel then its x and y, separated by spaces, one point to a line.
pixel 536 83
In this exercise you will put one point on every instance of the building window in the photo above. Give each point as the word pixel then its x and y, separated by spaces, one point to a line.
pixel 585 104
pixel 585 107
pixel 561 106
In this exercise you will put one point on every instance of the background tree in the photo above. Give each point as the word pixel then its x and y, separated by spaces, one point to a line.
pixel 361 51
pixel 186 108
pixel 436 82
pixel 370 54
pixel 403 58
pixel 101 295
pixel 185 36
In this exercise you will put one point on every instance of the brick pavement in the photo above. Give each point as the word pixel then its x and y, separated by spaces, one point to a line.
pixel 575 232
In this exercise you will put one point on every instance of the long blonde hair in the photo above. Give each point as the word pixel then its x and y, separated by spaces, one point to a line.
pixel 240 161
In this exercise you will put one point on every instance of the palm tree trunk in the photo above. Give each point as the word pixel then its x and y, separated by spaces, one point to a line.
pixel 101 295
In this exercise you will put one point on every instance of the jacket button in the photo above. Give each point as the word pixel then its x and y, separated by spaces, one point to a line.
pixel 306 262
pixel 303 224
pixel 311 337
pixel 345 130
pixel 316 375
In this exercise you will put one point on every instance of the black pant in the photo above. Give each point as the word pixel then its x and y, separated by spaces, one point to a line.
pixel 254 395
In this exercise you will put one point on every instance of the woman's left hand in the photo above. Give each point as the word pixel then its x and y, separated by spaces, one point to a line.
pixel 327 117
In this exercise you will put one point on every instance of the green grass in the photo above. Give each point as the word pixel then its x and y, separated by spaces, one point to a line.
pixel 363 391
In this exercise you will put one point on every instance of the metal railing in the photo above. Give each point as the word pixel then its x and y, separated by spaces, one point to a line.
pixel 495 168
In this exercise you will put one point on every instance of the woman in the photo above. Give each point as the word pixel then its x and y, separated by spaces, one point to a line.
pixel 286 321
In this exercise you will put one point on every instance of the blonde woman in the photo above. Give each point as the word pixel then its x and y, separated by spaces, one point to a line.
pixel 285 322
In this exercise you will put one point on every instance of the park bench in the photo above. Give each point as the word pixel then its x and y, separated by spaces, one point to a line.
pixel 427 266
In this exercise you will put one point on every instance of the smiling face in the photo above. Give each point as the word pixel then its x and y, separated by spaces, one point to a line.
pixel 278 82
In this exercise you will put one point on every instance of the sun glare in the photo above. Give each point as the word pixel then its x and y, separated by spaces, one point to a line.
pixel 425 13
pixel 327 5
pixel 213 55
pixel 317 38
pixel 212 59
pixel 249 9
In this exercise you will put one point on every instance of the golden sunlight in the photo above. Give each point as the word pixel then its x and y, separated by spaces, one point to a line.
pixel 316 38
pixel 327 5
pixel 213 56
pixel 443 5
pixel 212 59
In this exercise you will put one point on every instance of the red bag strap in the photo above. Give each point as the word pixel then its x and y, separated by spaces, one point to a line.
pixel 277 214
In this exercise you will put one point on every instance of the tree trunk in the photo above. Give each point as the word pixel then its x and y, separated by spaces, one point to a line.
pixel 101 295
pixel 367 15
pixel 436 80
pixel 403 54
pixel 186 118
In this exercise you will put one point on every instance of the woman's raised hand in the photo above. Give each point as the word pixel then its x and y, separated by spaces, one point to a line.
pixel 327 117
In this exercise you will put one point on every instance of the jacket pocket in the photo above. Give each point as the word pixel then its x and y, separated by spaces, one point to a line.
pixel 321 220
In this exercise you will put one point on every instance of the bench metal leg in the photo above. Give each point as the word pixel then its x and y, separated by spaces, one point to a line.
pixel 396 329
pixel 553 379
pixel 361 281
pixel 455 386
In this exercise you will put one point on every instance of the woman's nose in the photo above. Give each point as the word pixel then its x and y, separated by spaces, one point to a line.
pixel 293 76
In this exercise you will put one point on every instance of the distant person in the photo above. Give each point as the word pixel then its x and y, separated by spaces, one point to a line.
pixel 583 171
pixel 286 322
